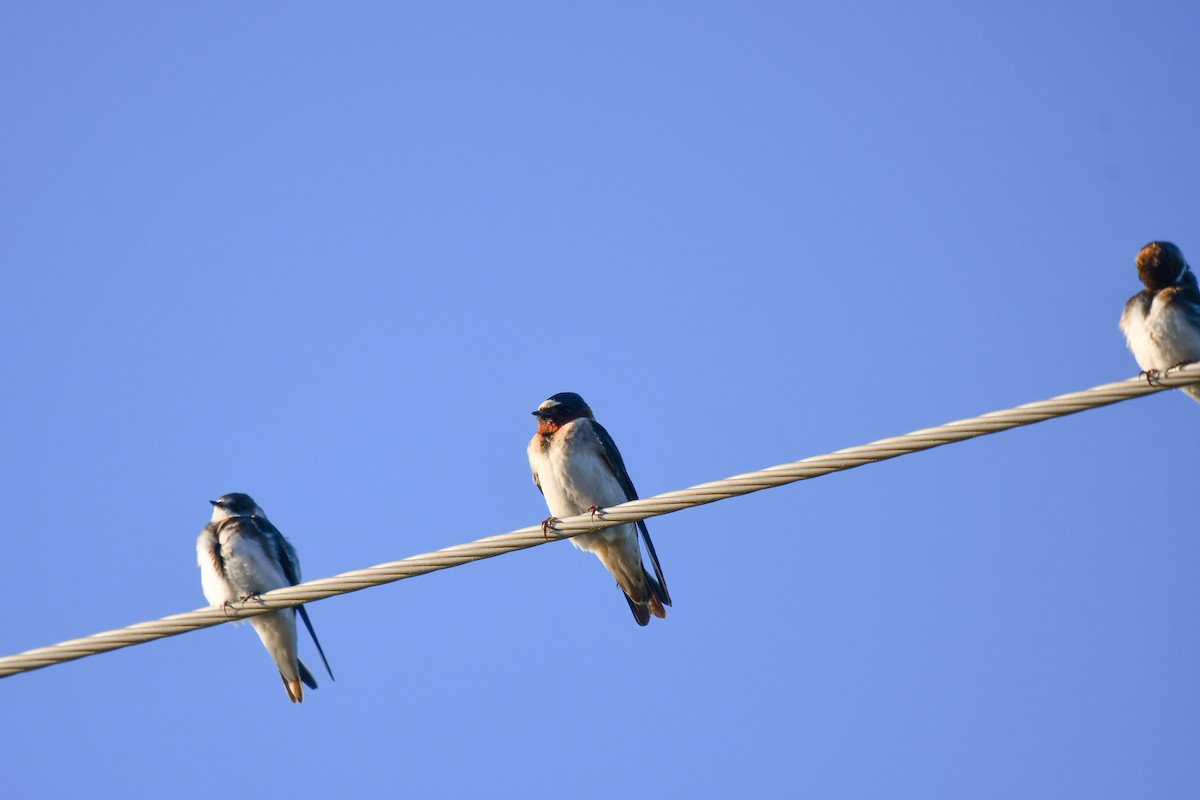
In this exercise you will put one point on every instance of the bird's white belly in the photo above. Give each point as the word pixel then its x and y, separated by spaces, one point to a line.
pixel 1178 339
pixel 1162 338
pixel 573 483
pixel 216 589
pixel 1141 338
pixel 248 569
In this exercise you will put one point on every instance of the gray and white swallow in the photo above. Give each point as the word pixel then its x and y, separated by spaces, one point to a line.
pixel 578 469
pixel 241 555
pixel 1161 323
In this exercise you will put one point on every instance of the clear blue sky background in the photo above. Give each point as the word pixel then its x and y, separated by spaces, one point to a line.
pixel 334 255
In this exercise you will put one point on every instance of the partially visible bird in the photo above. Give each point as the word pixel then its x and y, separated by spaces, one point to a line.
pixel 578 468
pixel 241 555
pixel 1161 323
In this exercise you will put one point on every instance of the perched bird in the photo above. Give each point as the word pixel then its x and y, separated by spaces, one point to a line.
pixel 578 468
pixel 241 555
pixel 1161 323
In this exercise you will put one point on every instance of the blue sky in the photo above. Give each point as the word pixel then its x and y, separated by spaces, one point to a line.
pixel 333 256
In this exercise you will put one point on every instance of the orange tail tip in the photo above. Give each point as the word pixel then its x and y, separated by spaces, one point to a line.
pixel 294 689
pixel 656 607
pixel 642 611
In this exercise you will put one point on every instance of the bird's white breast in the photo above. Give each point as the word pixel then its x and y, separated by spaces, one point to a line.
pixel 574 475
pixel 1138 337
pixel 250 569
pixel 216 589
pixel 1161 336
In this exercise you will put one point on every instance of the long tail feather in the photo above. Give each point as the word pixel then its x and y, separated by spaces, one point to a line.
pixel 294 690
pixel 660 584
pixel 657 597
pixel 308 624
pixel 640 612
pixel 306 676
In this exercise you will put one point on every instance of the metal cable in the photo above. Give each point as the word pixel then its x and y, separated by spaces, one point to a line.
pixel 666 503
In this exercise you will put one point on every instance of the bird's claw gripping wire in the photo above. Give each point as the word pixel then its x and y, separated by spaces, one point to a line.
pixel 227 606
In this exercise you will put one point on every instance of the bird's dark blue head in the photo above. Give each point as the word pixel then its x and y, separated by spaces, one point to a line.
pixel 559 409
pixel 1161 265
pixel 235 504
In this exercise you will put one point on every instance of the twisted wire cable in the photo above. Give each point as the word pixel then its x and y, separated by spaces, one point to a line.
pixel 568 527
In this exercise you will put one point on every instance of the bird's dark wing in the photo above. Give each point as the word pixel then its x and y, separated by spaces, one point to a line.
pixel 307 676
pixel 617 464
pixel 660 585
pixel 280 548
pixel 286 555
pixel 1185 299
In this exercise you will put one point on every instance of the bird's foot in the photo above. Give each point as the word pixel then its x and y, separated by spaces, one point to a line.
pixel 594 510
pixel 547 525
pixel 255 597
pixel 1151 376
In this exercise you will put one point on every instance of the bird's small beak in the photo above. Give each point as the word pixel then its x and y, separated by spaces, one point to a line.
pixel 540 414
pixel 212 502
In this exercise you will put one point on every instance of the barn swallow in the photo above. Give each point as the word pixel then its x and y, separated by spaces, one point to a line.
pixel 1161 323
pixel 241 555
pixel 577 468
